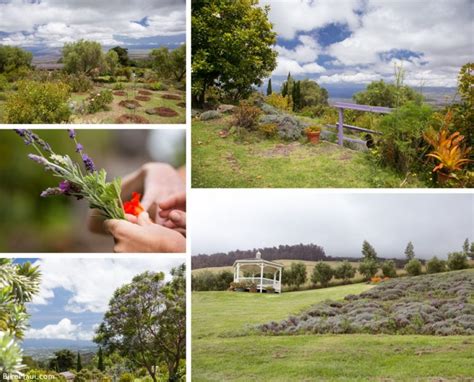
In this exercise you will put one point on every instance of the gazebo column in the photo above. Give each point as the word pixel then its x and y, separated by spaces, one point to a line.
pixel 261 278
pixel 279 286
pixel 340 127
pixel 238 272
pixel 274 279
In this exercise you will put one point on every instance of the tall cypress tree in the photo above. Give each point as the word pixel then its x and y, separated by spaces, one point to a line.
pixel 410 251
pixel 269 87
pixel 100 363
pixel 79 362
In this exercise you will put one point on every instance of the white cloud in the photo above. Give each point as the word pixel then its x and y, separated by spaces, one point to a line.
pixel 286 65
pixel 53 22
pixel 92 282
pixel 439 31
pixel 63 330
pixel 354 78
pixel 292 16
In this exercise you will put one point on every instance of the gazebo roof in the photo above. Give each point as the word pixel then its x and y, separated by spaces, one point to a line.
pixel 258 261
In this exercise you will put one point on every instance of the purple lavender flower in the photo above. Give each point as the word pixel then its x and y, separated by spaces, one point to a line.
pixel 25 134
pixel 88 163
pixel 79 148
pixel 51 192
pixel 65 187
pixel 72 133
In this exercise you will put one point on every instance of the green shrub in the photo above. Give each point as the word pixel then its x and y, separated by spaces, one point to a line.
pixel 402 146
pixel 157 86
pixel 211 281
pixel 344 271
pixel 457 260
pixel 99 101
pixel 435 265
pixel 3 83
pixel 278 101
pixel 79 83
pixel 126 377
pixel 269 129
pixel 368 268
pixel 413 267
pixel 118 86
pixel 322 273
pixel 36 102
pixel 388 269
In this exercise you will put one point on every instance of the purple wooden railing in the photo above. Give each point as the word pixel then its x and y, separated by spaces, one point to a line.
pixel 352 106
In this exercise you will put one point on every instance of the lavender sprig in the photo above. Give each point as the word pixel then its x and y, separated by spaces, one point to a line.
pixel 91 185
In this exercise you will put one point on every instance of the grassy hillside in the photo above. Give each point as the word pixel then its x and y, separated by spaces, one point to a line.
pixel 223 162
pixel 224 349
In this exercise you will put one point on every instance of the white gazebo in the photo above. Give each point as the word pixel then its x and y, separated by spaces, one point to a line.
pixel 256 268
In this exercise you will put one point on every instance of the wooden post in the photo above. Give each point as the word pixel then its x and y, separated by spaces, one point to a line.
pixel 261 278
pixel 340 127
pixel 274 279
pixel 238 271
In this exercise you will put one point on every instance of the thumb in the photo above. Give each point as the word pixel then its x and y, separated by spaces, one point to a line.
pixel 178 217
pixel 144 219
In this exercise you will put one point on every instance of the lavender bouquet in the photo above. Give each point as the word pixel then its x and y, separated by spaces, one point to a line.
pixel 89 184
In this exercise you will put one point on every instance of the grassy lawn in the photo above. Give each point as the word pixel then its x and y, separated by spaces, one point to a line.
pixel 225 349
pixel 225 162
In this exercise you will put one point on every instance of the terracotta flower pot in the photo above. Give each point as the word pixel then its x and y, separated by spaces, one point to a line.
pixel 313 136
pixel 443 177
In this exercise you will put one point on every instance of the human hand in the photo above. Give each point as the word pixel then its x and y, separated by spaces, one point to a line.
pixel 156 181
pixel 173 210
pixel 142 235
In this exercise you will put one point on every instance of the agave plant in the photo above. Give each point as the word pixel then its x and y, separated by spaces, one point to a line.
pixel 448 149
pixel 11 355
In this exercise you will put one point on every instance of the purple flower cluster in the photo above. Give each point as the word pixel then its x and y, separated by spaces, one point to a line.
pixel 88 163
pixel 29 137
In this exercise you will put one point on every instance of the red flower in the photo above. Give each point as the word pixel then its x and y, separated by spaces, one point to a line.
pixel 133 207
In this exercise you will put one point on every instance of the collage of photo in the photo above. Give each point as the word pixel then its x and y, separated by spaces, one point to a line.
pixel 237 190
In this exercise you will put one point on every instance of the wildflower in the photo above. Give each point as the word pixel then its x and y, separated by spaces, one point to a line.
pixel 72 133
pixel 88 163
pixel 133 207
pixel 79 148
pixel 25 134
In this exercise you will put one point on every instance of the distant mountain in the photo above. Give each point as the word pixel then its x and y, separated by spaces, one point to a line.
pixel 30 344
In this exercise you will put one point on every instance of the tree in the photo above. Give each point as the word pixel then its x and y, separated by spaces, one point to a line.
pixel 285 87
pixel 380 93
pixel 311 94
pixel 471 251
pixel 122 54
pixel 368 251
pixel 79 362
pixel 413 267
pixel 410 251
pixel 298 274
pixel 146 322
pixel 232 47
pixel 269 87
pixel 457 260
pixel 368 268
pixel 435 265
pixel 111 62
pixel 169 63
pixel 388 269
pixel 296 95
pixel 63 360
pixel 344 271
pixel 465 247
pixel 19 283
pixel 83 57
pixel 322 273
pixel 13 58
pixel 100 362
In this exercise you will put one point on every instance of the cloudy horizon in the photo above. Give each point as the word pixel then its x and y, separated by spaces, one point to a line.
pixel 359 41
pixel 228 220
pixel 46 25
pixel 75 293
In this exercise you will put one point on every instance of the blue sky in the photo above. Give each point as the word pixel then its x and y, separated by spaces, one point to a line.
pixel 75 293
pixel 45 25
pixel 346 42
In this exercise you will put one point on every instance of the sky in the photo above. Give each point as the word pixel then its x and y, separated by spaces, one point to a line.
pixel 75 293
pixel 226 220
pixel 344 42
pixel 48 24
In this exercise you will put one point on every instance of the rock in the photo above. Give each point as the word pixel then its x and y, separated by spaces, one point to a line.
pixel 226 108
pixel 211 114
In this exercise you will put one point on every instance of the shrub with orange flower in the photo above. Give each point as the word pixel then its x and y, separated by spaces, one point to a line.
pixel 375 280
pixel 133 206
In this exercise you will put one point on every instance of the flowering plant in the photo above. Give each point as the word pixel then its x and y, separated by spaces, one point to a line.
pixel 89 184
